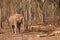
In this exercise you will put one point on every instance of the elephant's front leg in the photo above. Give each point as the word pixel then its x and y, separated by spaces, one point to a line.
pixel 22 28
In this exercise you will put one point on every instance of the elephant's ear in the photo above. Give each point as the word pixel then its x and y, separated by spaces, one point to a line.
pixel 21 19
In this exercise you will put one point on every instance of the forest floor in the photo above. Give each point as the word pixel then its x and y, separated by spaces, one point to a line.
pixel 5 35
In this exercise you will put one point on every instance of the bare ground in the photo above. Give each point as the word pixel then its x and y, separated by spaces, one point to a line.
pixel 26 36
pixel 6 34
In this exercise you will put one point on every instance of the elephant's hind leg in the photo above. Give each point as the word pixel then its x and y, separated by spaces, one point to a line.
pixel 13 26
pixel 14 29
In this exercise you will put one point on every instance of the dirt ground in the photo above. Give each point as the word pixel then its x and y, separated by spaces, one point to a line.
pixel 6 34
pixel 26 36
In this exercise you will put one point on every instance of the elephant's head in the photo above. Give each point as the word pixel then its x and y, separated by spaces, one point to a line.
pixel 19 18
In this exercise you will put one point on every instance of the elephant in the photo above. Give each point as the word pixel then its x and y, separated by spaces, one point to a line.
pixel 15 21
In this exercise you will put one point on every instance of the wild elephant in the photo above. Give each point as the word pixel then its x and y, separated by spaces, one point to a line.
pixel 15 22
